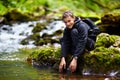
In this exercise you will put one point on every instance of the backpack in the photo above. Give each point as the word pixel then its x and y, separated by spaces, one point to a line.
pixel 92 34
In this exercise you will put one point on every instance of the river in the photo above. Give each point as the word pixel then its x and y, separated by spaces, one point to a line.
pixel 13 65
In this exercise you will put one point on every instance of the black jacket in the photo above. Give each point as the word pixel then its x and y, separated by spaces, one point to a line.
pixel 82 38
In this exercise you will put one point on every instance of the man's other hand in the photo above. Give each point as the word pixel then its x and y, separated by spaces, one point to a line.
pixel 73 65
pixel 62 64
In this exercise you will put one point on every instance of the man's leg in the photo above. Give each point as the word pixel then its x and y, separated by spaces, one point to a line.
pixel 65 47
pixel 66 51
pixel 75 37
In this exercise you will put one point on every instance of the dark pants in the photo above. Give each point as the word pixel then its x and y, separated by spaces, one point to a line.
pixel 70 42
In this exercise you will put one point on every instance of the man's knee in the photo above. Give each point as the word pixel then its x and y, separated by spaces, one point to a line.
pixel 74 31
pixel 90 45
pixel 61 40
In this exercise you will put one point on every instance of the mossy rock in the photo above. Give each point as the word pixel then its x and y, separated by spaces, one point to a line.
pixel 46 55
pixel 16 15
pixel 39 27
pixel 34 37
pixel 45 41
pixel 105 57
pixel 58 33
pixel 24 42
pixel 110 23
pixel 106 40
pixel 45 35
pixel 103 60
pixel 111 17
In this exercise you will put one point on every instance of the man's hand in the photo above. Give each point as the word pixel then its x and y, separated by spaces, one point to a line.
pixel 73 65
pixel 62 64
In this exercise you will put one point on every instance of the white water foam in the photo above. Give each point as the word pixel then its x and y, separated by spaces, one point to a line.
pixel 11 36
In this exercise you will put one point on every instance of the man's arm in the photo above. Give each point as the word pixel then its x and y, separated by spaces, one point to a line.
pixel 82 40
pixel 65 43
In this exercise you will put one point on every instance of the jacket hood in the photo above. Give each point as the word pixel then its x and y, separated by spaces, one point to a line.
pixel 77 20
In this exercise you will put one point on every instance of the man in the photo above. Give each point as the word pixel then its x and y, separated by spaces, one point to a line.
pixel 74 40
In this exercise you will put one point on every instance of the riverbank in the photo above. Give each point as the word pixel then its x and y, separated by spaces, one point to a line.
pixel 104 59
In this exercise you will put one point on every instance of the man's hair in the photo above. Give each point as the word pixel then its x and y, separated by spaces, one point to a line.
pixel 66 14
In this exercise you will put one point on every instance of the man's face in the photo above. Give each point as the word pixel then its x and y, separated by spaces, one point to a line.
pixel 69 22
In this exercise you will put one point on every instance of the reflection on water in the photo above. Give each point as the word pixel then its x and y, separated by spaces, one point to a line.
pixel 78 77
pixel 14 67
pixel 16 70
pixel 20 70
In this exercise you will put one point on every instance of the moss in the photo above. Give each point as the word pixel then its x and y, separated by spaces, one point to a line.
pixel 45 55
pixel 111 17
pixel 100 60
pixel 41 42
pixel 58 33
pixel 24 42
pixel 45 52
pixel 39 27
pixel 16 15
pixel 45 41
pixel 35 36
pixel 110 22
pixel 103 60
pixel 106 40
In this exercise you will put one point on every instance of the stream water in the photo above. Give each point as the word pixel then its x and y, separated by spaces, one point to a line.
pixel 13 65
pixel 20 70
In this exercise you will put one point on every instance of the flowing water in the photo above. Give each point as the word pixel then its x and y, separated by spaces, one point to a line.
pixel 13 65
pixel 20 70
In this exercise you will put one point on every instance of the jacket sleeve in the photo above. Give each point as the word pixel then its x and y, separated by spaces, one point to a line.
pixel 65 43
pixel 82 39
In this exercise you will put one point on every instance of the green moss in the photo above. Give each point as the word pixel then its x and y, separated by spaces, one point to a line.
pixel 35 36
pixel 41 42
pixel 39 27
pixel 16 15
pixel 46 55
pixel 103 59
pixel 24 42
pixel 105 40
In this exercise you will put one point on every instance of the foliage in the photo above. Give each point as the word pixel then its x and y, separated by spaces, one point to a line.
pixel 3 9
pixel 85 8
pixel 23 5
